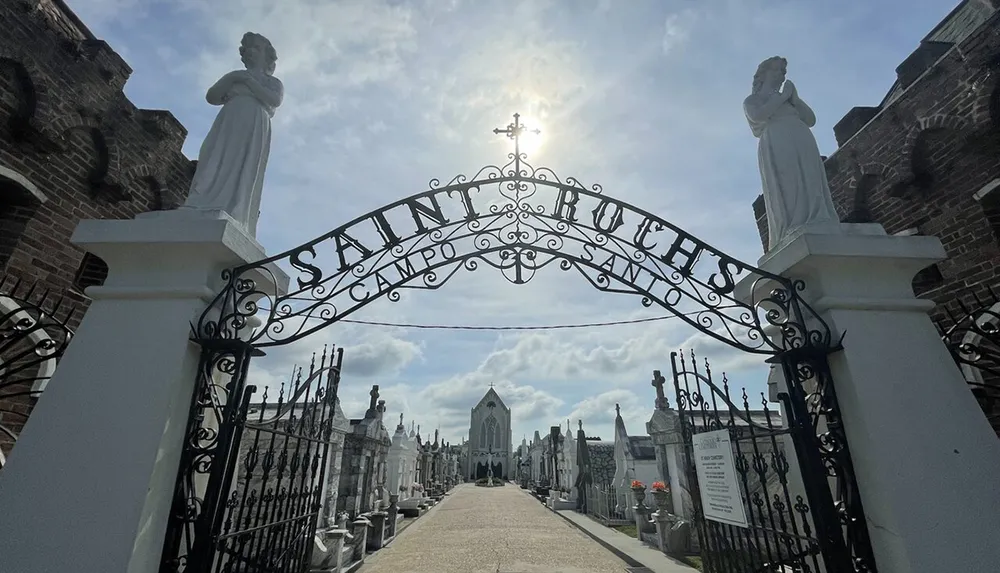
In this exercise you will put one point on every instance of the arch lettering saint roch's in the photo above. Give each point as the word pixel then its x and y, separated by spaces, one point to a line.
pixel 515 220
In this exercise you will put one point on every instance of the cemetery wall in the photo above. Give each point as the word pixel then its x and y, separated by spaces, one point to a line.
pixel 916 162
pixel 69 135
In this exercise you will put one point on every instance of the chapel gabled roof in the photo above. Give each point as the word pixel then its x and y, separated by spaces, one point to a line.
pixel 491 396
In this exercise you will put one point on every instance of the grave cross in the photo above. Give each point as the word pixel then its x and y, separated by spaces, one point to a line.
pixel 374 397
pixel 661 399
pixel 618 411
pixel 491 384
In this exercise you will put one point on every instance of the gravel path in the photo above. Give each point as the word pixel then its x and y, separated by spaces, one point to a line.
pixel 475 529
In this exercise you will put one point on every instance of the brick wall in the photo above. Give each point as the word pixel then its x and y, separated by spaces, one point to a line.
pixel 919 162
pixel 67 128
pixel 69 135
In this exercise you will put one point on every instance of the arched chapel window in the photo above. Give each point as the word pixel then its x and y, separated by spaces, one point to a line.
pixel 491 432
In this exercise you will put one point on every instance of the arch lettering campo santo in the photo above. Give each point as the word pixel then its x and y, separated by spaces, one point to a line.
pixel 518 220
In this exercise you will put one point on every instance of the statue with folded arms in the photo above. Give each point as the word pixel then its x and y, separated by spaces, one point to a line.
pixel 796 191
pixel 233 157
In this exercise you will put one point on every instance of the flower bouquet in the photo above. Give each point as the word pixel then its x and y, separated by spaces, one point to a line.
pixel 639 491
pixel 661 495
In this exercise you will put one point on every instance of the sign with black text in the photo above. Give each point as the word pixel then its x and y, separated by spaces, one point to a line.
pixel 721 499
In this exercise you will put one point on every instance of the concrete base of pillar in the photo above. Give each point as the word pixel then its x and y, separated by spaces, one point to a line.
pixel 91 481
pixel 913 427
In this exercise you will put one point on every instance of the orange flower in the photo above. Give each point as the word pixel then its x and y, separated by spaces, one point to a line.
pixel 638 484
pixel 659 486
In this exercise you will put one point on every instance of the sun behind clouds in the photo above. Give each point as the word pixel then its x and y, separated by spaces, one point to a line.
pixel 533 136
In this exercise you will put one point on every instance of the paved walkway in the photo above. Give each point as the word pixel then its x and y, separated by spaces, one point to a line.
pixel 486 530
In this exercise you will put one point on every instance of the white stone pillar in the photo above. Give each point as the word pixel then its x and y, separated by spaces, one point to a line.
pixel 90 483
pixel 925 457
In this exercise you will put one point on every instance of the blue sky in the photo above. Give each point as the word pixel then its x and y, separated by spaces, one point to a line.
pixel 643 97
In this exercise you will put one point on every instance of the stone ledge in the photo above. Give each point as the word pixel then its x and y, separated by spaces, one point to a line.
pixel 630 550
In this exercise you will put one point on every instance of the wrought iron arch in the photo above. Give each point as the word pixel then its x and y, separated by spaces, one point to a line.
pixel 517 219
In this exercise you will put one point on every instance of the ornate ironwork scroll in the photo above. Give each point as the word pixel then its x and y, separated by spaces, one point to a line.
pixel 34 333
pixel 790 523
pixel 250 488
pixel 821 444
pixel 518 220
pixel 973 338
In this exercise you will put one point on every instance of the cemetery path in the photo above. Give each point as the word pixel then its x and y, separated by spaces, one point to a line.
pixel 486 530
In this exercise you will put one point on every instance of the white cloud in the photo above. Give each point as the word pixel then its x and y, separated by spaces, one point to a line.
pixel 677 30
pixel 384 357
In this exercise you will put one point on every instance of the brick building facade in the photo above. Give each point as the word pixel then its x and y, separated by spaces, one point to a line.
pixel 926 160
pixel 72 147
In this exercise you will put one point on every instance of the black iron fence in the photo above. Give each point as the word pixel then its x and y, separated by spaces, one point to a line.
pixel 251 483
pixel 973 338
pixel 34 333
pixel 792 508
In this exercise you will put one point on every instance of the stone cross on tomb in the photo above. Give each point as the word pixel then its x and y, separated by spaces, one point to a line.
pixel 491 384
pixel 400 418
pixel 580 422
pixel 514 131
pixel 618 411
pixel 661 399
pixel 374 397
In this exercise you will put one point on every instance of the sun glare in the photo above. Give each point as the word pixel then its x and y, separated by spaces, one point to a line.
pixel 531 141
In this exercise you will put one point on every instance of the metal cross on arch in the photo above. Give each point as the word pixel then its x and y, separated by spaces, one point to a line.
pixel 514 131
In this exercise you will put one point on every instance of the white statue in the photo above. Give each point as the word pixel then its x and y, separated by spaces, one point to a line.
pixel 796 192
pixel 233 157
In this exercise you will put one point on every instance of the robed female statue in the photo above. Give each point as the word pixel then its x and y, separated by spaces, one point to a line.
pixel 796 191
pixel 233 157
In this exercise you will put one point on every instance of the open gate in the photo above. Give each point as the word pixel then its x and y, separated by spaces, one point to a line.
pixel 786 472
pixel 255 507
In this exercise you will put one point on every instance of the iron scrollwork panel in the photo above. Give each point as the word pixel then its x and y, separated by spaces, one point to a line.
pixel 787 526
pixel 812 399
pixel 34 332
pixel 970 330
pixel 249 491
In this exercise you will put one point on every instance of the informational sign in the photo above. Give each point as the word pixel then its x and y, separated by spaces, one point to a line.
pixel 721 499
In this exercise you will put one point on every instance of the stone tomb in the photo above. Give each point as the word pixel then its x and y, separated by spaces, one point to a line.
pixel 402 467
pixel 362 481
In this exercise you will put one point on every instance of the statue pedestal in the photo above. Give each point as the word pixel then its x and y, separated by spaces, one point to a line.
pixel 91 480
pixel 925 457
